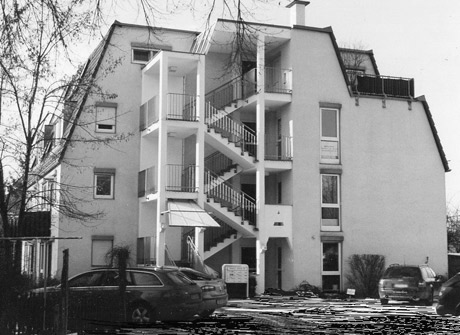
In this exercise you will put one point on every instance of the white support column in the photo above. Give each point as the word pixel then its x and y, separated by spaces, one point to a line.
pixel 261 247
pixel 162 163
pixel 260 172
pixel 199 153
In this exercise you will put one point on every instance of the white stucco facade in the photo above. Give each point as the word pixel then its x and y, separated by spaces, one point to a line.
pixel 247 144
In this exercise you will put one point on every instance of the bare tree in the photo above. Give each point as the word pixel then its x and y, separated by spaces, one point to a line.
pixel 36 39
pixel 453 229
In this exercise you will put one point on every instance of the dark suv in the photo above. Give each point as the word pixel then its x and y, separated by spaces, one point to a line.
pixel 449 297
pixel 414 283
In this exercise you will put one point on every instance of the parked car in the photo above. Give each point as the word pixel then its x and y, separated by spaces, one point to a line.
pixel 214 290
pixel 449 297
pixel 413 283
pixel 151 294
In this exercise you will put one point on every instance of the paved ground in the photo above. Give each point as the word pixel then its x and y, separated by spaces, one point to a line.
pixel 294 315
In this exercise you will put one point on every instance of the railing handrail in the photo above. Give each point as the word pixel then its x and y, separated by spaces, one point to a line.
pixel 222 86
pixel 383 77
pixel 226 183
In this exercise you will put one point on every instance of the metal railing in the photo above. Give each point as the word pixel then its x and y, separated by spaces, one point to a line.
pixel 218 163
pixel 181 178
pixel 238 88
pixel 235 131
pixel 228 196
pixel 384 86
pixel 278 80
pixel 148 113
pixel 146 182
pixel 278 148
pixel 215 235
pixel 181 107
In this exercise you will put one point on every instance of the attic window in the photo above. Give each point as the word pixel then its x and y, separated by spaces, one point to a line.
pixel 142 56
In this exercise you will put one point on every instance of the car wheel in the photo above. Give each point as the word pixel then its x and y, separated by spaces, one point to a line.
pixel 140 313
pixel 384 301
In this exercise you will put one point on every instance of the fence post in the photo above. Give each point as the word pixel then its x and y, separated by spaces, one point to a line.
pixel 63 310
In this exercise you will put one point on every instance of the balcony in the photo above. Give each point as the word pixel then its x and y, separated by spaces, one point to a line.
pixel 181 178
pixel 181 107
pixel 277 80
pixel 278 148
pixel 34 224
pixel 146 182
pixel 384 86
pixel 149 113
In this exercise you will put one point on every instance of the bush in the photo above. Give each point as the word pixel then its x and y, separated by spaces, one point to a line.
pixel 365 273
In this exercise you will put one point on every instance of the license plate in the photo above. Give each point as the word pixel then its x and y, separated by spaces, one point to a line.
pixel 221 301
pixel 400 285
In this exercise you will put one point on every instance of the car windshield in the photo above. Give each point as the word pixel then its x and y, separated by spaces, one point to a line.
pixel 402 271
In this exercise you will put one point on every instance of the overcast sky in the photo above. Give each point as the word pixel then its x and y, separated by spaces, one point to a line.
pixel 417 39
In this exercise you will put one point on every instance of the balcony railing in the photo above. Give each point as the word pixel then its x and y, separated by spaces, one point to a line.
pixel 182 107
pixel 146 182
pixel 278 80
pixel 181 178
pixel 278 148
pixel 384 86
pixel 149 113
pixel 228 196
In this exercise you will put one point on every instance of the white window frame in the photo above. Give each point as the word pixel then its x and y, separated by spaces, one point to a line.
pixel 97 258
pixel 112 185
pixel 329 144
pixel 152 53
pixel 332 273
pixel 329 205
pixel 102 121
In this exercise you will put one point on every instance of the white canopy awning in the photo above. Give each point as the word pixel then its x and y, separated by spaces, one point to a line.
pixel 187 213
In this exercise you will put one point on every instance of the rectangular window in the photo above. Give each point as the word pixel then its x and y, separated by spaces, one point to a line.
pixel 100 246
pixel 142 56
pixel 106 119
pixel 330 202
pixel 104 180
pixel 330 135
pixel 331 266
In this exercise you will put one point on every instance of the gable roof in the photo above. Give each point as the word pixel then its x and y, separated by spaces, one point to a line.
pixel 76 94
pixel 429 116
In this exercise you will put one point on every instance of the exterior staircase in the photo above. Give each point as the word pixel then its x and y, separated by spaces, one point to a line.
pixel 235 146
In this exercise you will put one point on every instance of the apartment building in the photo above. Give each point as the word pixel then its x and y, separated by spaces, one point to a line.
pixel 285 153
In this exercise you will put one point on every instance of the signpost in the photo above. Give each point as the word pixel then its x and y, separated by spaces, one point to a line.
pixel 236 274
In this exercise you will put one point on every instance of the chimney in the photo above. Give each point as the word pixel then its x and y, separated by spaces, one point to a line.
pixel 298 12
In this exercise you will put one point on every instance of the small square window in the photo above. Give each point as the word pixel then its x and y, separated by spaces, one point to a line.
pixel 106 119
pixel 142 56
pixel 103 185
